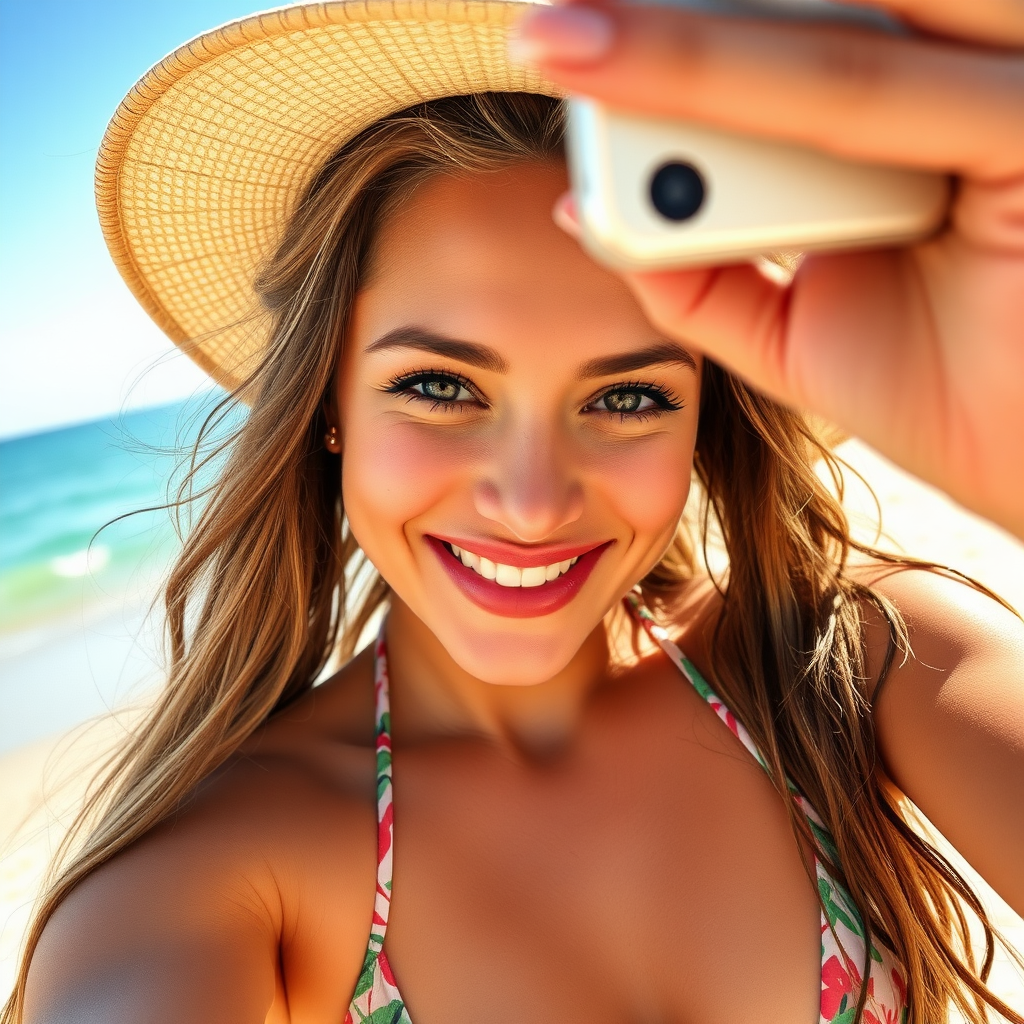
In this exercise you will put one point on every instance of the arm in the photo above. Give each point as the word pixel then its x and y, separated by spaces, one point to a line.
pixel 919 351
pixel 174 929
pixel 950 720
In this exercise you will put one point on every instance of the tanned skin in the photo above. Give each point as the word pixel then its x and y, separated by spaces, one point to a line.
pixel 578 837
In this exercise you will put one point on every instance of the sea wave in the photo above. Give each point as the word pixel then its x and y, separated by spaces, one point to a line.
pixel 71 535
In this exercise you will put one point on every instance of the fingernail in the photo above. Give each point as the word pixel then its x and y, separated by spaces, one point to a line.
pixel 562 35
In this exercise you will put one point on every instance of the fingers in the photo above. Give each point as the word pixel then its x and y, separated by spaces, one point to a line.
pixel 732 313
pixel 859 94
pixel 990 22
pixel 996 22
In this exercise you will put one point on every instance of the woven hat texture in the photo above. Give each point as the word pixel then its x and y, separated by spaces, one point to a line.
pixel 206 157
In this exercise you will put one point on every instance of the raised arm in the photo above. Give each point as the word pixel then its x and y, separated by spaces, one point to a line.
pixel 950 719
pixel 918 351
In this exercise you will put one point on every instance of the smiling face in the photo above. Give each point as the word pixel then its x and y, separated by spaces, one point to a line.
pixel 516 437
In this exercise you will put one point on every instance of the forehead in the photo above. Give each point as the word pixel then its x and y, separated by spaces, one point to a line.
pixel 478 257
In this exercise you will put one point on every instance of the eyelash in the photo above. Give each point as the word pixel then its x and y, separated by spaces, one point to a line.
pixel 665 400
pixel 403 384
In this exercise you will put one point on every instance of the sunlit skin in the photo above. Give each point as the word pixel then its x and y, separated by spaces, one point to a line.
pixel 578 838
pixel 855 329
pixel 529 454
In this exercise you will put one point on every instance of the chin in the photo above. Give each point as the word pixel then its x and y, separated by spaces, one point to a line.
pixel 510 656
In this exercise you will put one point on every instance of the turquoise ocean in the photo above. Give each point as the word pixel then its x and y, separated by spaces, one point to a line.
pixel 63 546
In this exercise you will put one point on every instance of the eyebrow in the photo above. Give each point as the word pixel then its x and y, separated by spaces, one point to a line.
pixel 487 358
pixel 450 348
pixel 654 355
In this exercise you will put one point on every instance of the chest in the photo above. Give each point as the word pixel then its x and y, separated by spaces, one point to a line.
pixel 649 874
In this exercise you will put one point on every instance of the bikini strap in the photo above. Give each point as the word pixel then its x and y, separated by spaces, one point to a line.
pixel 385 808
pixel 660 636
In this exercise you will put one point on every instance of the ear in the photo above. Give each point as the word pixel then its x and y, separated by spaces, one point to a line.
pixel 332 438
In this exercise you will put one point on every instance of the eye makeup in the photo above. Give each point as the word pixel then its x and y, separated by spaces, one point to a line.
pixel 449 390
pixel 443 389
pixel 626 400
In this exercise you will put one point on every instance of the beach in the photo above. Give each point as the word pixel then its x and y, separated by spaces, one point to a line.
pixel 100 660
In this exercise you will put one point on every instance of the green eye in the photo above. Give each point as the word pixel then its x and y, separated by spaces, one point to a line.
pixel 441 389
pixel 635 400
pixel 626 401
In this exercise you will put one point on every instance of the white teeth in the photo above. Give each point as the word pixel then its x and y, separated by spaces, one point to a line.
pixel 533 576
pixel 508 575
pixel 511 575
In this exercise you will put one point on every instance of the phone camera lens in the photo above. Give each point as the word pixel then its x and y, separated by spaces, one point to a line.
pixel 677 191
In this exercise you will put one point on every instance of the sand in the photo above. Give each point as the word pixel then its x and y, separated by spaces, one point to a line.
pixel 41 782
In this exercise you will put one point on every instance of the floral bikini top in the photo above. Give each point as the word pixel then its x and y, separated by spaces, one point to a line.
pixel 377 1000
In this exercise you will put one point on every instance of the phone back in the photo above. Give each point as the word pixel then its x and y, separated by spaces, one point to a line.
pixel 656 193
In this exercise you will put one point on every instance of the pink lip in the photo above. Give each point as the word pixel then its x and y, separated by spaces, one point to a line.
pixel 519 602
pixel 518 555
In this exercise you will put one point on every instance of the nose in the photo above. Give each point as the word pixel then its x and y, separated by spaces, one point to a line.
pixel 530 487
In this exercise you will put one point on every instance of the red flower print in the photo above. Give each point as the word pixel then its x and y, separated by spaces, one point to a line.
pixel 838 980
pixel 888 1016
pixel 385 968
pixel 384 832
pixel 900 985
pixel 835 983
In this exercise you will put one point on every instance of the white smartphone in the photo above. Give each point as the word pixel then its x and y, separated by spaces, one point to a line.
pixel 653 193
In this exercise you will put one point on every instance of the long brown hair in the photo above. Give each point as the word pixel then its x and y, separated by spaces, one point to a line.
pixel 262 597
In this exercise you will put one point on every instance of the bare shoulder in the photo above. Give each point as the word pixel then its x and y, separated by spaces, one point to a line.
pixel 201 917
pixel 949 621
pixel 949 718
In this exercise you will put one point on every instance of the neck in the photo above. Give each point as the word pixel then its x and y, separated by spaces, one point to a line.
pixel 432 697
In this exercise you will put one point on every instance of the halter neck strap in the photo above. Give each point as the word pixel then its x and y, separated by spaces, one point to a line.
pixel 385 807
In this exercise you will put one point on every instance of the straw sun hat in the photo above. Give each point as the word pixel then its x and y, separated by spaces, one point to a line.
pixel 206 157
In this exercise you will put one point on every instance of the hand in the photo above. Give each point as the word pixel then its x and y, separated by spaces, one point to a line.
pixel 919 351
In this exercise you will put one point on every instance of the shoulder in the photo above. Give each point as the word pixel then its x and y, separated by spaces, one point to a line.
pixel 211 904
pixel 949 719
pixel 950 622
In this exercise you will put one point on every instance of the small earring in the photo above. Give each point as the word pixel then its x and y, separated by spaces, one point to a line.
pixel 332 441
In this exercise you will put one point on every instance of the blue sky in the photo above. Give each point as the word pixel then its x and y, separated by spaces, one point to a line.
pixel 73 344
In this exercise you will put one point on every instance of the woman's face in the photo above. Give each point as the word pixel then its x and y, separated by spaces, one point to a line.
pixel 503 402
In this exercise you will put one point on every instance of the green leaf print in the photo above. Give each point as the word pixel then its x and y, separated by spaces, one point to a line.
pixel 383 761
pixel 847 1016
pixel 851 908
pixel 390 1014
pixel 833 911
pixel 697 680
pixel 825 840
pixel 365 982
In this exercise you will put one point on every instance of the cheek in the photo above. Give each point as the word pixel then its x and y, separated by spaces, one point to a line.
pixel 647 486
pixel 394 472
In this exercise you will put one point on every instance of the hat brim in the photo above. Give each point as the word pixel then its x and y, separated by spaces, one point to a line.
pixel 205 159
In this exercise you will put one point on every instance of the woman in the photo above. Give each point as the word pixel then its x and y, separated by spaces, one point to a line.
pixel 456 416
